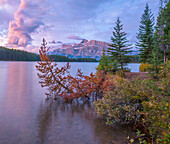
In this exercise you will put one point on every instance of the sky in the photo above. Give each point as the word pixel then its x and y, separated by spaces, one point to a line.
pixel 24 23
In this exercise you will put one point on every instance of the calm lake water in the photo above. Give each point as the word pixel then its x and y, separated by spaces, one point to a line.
pixel 27 117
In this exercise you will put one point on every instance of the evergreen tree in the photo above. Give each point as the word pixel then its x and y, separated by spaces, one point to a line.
pixel 145 35
pixel 163 30
pixel 119 48
pixel 156 59
pixel 106 64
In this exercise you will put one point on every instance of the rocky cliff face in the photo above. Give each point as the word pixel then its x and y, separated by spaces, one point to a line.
pixel 84 49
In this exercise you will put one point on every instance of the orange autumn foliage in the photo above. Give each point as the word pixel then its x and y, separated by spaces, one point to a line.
pixel 60 83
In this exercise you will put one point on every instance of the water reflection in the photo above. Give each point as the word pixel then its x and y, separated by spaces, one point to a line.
pixel 75 124
pixel 27 118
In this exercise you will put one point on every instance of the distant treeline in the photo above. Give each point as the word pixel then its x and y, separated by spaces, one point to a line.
pixel 17 55
pixel 7 54
pixel 134 58
pixel 58 58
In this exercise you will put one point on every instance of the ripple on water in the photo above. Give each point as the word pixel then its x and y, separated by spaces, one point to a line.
pixel 27 118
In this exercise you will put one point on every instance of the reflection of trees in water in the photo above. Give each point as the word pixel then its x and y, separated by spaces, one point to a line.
pixel 59 119
pixel 107 134
pixel 44 119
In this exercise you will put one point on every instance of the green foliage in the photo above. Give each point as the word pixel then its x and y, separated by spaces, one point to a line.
pixel 58 58
pixel 143 103
pixel 144 67
pixel 164 74
pixel 134 58
pixel 145 35
pixel 156 113
pixel 122 105
pixel 17 55
pixel 120 73
pixel 155 61
pixel 126 69
pixel 140 138
pixel 163 31
pixel 156 110
pixel 119 48
pixel 106 65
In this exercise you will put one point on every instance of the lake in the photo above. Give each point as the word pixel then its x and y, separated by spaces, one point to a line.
pixel 27 117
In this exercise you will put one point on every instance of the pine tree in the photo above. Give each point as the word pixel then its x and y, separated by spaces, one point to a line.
pixel 163 30
pixel 156 59
pixel 145 35
pixel 105 63
pixel 119 48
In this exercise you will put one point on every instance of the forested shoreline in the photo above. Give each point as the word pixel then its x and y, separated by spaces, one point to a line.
pixel 7 54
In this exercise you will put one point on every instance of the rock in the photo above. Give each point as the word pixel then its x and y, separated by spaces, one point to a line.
pixel 84 49
pixel 84 41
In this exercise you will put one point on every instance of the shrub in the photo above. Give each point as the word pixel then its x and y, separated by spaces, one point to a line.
pixel 144 67
pixel 143 103
pixel 157 115
pixel 107 65
pixel 157 109
pixel 126 69
pixel 60 84
pixel 122 105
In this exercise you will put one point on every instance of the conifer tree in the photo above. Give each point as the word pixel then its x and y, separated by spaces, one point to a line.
pixel 105 63
pixel 119 48
pixel 155 60
pixel 145 35
pixel 163 30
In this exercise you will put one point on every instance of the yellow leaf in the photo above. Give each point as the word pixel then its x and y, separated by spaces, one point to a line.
pixel 131 140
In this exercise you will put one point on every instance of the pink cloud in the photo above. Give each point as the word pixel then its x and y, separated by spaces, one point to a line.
pixel 3 2
pixel 26 21
pixel 75 37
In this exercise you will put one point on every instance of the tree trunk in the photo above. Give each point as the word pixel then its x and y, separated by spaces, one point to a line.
pixel 164 54
pixel 121 66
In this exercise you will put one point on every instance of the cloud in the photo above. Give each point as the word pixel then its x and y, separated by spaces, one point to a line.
pixel 5 17
pixel 3 3
pixel 27 20
pixel 75 37
pixel 55 42
pixel 59 42
pixel 75 10
pixel 52 42
pixel 1 40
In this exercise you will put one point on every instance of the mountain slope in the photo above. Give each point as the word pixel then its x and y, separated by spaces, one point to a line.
pixel 85 49
pixel 7 54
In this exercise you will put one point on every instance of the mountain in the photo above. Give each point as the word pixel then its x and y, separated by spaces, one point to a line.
pixel 84 49
pixel 7 54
